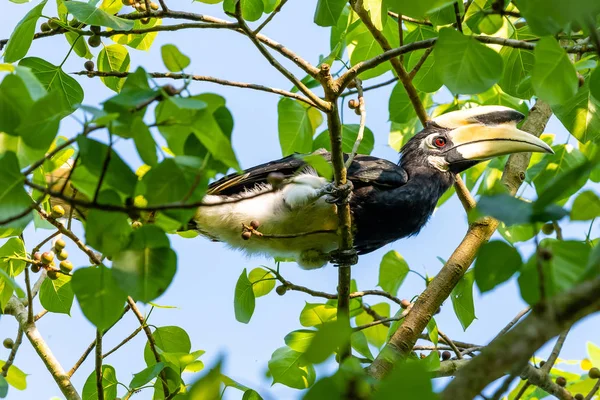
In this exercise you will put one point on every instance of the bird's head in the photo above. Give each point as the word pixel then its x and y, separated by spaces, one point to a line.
pixel 458 140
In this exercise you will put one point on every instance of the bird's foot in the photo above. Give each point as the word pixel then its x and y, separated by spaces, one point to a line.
pixel 338 194
pixel 249 230
pixel 343 257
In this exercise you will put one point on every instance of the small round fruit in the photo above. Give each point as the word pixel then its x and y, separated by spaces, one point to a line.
pixel 37 256
pixel 35 268
pixel 62 255
pixel 8 343
pixel 47 257
pixel 352 103
pixel 154 6
pixel 145 21
pixel 136 224
pixel 60 244
pixel 96 29
pixel 74 22
pixel 594 373
pixel 141 6
pixel 255 224
pixel 548 229
pixel 170 90
pixel 45 27
pixel 58 211
pixel 561 381
pixel 542 363
pixel 52 274
pixel 89 65
pixel 578 396
pixel 246 235
pixel 281 289
pixel 404 303
pixel 94 41
pixel 446 355
pixel 127 2
pixel 66 266
pixel 356 111
pixel 53 24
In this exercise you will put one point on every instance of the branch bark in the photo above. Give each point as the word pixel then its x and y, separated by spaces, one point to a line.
pixel 403 340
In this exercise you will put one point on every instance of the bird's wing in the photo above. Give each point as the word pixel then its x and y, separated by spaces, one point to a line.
pixel 364 171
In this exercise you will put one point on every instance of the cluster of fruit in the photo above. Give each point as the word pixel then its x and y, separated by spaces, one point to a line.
pixel 46 259
pixel 141 7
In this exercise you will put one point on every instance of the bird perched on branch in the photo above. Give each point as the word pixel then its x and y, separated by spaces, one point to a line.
pixel 283 208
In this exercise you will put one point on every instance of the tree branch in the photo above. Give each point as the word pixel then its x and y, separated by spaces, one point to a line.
pixel 13 352
pixel 98 365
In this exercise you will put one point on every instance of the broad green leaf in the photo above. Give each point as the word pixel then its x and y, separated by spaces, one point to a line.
pixel 409 378
pixel 208 386
pixel 3 387
pixel 360 344
pixel 554 78
pixel 580 115
pixel 54 79
pixel 295 128
pixel 377 10
pixel 244 300
pixel 22 36
pixel 263 281
pixel 7 287
pixel 317 314
pixel 57 295
pixel 511 210
pixel 138 41
pixel 169 339
pixel 400 107
pixel 145 269
pixel 462 299
pixel 518 64
pixel 400 134
pixel 595 84
pixel 252 10
pixel 329 337
pixel 15 377
pixel 319 164
pixel 465 65
pixel 548 17
pixel 328 12
pixel 300 339
pixel 173 59
pixel 146 375
pixel 212 126
pixel 564 269
pixel 392 271
pixel 90 15
pixel 585 207
pixel 14 200
pixel 144 142
pixel 518 233
pixel 80 46
pixel 15 103
pixel 417 9
pixel 376 335
pixel 349 135
pixel 288 368
pixel 496 263
pixel 427 79
pixel 480 20
pixel 109 384
pixel 38 130
pixel 113 58
pixel 100 298
pixel 13 248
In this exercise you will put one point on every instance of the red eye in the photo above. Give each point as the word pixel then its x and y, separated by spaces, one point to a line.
pixel 439 141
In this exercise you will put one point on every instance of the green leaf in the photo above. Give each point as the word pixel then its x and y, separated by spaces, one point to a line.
pixel 554 78
pixel 113 58
pixel 54 79
pixel 295 128
pixel 145 269
pixel 14 200
pixel 13 247
pixel 314 314
pixel 432 331
pixel 40 127
pixel 57 295
pixel 427 79
pixel 392 271
pixel 462 299
pixel 80 47
pixel 360 344
pixel 300 339
pixel 400 107
pixel 169 339
pixel 319 164
pixel 376 335
pixel 21 38
pixel 139 41
pixel 15 103
pixel 144 142
pixel 107 231
pixel 349 135
pixel 146 375
pixel 252 10
pixel 409 378
pixel 518 64
pixel 90 15
pixel 100 298
pixel 15 377
pixel 328 12
pixel 208 387
pixel 518 233
pixel 496 263
pixel 465 65
pixel 580 115
pixel 417 9
pixel 329 337
pixel 109 384
pixel 585 207
pixel 263 281
pixel 548 17
pixel 173 59
pixel 244 301
pixel 511 210
pixel 3 387
pixel 595 83
pixel 288 368
pixel 564 270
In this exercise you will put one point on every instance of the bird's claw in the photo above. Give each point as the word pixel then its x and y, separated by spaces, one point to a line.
pixel 343 257
pixel 338 194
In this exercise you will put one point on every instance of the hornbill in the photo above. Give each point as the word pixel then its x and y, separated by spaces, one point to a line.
pixel 283 208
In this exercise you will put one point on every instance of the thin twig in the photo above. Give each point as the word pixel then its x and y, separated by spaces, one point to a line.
pixel 409 19
pixel 555 352
pixel 98 365
pixel 505 384
pixel 463 193
pixel 523 390
pixel 382 293
pixel 29 297
pixel 451 344
pixel 458 18
pixel 13 352
pixel 419 63
pixel 123 342
pixel 363 120
pixel 593 391
pixel 383 321
pixel 375 86
pixel 270 17
pixel 513 322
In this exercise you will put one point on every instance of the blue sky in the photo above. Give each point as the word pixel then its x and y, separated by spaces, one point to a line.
pixel 203 287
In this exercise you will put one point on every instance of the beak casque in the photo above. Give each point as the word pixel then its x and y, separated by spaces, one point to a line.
pixel 484 132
